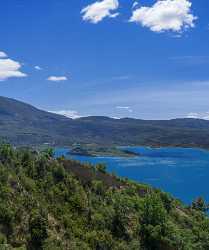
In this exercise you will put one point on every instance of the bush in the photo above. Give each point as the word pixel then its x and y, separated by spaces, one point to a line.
pixel 38 230
pixel 101 168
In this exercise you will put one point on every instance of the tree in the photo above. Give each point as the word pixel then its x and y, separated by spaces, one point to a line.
pixel 199 204
pixel 101 168
pixel 48 153
pixel 154 212
pixel 154 222
pixel 38 230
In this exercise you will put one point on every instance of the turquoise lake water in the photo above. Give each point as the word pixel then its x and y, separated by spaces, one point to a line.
pixel 183 172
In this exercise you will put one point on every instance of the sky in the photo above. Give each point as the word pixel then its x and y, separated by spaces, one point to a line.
pixel 147 59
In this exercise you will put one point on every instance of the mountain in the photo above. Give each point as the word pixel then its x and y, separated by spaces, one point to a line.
pixel 23 124
pixel 59 204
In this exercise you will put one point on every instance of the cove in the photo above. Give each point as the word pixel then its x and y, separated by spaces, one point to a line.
pixel 183 172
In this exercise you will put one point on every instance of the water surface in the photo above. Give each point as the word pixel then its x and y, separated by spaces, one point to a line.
pixel 184 172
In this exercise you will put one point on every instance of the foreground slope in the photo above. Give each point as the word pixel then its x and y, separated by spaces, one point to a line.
pixel 23 124
pixel 61 204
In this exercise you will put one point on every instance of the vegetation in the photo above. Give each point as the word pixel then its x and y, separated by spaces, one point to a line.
pixel 53 204
pixel 22 124
pixel 97 150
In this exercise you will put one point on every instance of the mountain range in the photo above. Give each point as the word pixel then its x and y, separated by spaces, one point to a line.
pixel 23 124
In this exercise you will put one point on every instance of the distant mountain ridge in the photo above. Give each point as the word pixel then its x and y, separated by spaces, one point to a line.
pixel 23 124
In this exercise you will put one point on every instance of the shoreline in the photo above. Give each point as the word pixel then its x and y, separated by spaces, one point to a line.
pixel 120 151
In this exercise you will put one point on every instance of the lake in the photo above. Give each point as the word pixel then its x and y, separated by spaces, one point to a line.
pixel 183 172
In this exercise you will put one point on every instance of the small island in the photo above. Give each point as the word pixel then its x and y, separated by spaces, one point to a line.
pixel 95 150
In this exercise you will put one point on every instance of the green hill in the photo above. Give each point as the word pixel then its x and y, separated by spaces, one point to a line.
pixel 22 124
pixel 60 204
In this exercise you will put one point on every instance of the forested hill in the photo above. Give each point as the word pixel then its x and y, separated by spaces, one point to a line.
pixel 23 124
pixel 48 204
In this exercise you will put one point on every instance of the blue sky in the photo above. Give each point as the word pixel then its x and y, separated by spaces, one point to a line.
pixel 147 61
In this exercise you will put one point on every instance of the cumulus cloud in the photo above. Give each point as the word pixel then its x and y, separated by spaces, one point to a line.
pixel 97 11
pixel 3 54
pixel 67 113
pixel 165 15
pixel 57 78
pixel 126 108
pixel 9 68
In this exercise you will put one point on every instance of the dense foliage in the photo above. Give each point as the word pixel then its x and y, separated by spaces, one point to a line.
pixel 60 204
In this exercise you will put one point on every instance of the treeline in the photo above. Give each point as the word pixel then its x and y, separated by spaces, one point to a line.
pixel 57 204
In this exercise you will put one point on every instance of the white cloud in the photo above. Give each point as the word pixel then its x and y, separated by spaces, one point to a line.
pixel 206 117
pixel 115 117
pixel 38 67
pixel 193 115
pixel 126 108
pixel 165 15
pixel 203 115
pixel 3 54
pixel 135 4
pixel 97 11
pixel 57 78
pixel 67 113
pixel 9 69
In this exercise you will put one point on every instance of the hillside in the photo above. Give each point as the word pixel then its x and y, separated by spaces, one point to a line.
pixel 23 124
pixel 60 204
